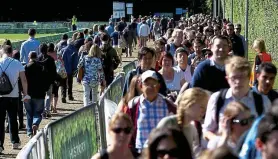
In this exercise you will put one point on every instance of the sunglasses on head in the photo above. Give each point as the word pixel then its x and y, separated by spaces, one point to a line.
pixel 119 130
pixel 172 152
pixel 244 122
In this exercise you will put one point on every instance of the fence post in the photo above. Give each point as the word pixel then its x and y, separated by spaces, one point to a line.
pixel 219 8
pixel 214 8
pixel 232 10
pixel 246 28
pixel 223 6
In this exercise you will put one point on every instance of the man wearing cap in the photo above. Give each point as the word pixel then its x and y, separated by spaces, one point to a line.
pixel 145 58
pixel 151 107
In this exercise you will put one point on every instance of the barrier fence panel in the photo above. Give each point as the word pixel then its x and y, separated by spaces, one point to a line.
pixel 74 136
pixel 128 67
pixel 35 148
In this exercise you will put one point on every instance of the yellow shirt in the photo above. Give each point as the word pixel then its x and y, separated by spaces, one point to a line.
pixel 73 21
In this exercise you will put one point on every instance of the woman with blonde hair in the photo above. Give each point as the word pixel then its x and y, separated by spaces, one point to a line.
pixel 93 74
pixel 261 57
pixel 120 133
pixel 237 119
pixel 191 107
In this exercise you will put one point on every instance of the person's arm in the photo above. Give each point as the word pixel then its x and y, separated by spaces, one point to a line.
pixel 22 53
pixel 210 123
pixel 198 78
pixel 23 82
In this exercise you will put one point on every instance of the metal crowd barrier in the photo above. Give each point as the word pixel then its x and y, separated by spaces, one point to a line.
pixel 79 134
pixel 35 148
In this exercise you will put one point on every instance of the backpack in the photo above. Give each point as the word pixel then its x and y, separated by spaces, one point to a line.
pixel 5 83
pixel 60 68
pixel 108 62
pixel 133 113
pixel 221 99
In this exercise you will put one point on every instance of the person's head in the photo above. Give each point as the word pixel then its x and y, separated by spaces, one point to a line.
pixel 95 51
pixel 222 152
pixel 8 50
pixel 237 29
pixel 207 52
pixel 134 87
pixel 101 28
pixel 160 44
pixel 32 56
pixel 177 35
pixel 150 85
pixel 167 143
pixel 220 48
pixel 120 130
pixel 80 35
pixel 65 37
pixel 191 35
pixel 230 29
pixel 217 30
pixel 104 38
pixel 266 77
pixel 267 137
pixel 146 57
pixel 7 42
pixel 209 31
pixel 240 118
pixel 32 32
pixel 70 41
pixel 16 55
pixel 95 28
pixel 259 46
pixel 50 47
pixel 182 56
pixel 43 48
pixel 198 45
pixel 86 31
pixel 169 33
pixel 238 71
pixel 192 104
pixel 167 61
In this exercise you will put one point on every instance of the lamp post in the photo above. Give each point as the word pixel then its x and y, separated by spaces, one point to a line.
pixel 246 27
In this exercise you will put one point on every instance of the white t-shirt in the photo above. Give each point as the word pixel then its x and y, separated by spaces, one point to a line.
pixel 186 73
pixel 12 71
pixel 175 84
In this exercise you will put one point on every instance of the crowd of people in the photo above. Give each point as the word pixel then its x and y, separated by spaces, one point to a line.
pixel 194 94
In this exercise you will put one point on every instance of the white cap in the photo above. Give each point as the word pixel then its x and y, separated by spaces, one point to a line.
pixel 149 74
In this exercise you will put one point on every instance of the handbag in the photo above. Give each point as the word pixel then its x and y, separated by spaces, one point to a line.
pixel 80 73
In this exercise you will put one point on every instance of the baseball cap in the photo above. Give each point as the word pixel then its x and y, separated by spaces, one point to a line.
pixel 149 74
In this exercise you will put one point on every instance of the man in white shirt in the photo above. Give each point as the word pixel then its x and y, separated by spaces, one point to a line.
pixel 183 67
pixel 9 102
pixel 237 74
pixel 144 32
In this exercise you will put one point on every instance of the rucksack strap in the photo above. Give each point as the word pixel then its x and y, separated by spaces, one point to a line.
pixel 220 104
pixel 6 67
pixel 104 154
pixel 258 99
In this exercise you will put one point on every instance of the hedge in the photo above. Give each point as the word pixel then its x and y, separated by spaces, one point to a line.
pixel 263 20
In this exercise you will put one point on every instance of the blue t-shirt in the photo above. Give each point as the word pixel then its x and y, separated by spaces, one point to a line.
pixel 115 37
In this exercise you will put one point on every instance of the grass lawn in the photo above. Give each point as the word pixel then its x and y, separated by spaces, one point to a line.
pixel 18 37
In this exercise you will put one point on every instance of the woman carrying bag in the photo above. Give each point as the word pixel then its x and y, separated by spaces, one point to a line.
pixel 91 74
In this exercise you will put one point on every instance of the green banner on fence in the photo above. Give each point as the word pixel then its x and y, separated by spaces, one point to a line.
pixel 74 136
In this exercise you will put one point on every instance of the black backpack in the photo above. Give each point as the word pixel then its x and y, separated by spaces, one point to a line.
pixel 5 83
pixel 221 99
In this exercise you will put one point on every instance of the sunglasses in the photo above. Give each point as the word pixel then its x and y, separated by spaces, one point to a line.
pixel 119 130
pixel 172 153
pixel 244 122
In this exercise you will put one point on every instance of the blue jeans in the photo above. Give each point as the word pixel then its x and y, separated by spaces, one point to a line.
pixel 48 98
pixel 34 109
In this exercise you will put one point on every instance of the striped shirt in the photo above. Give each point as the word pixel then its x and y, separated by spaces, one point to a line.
pixel 149 115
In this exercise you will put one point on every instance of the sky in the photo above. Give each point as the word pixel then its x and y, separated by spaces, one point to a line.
pixel 93 10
